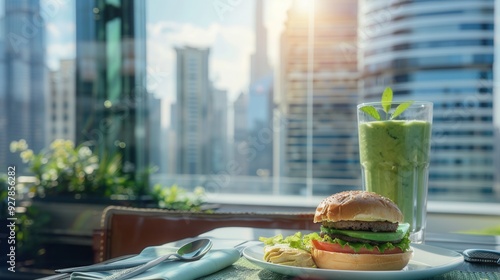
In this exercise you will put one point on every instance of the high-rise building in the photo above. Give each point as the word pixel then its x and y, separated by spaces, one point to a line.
pixel 171 146
pixel 23 78
pixel 219 150
pixel 157 141
pixel 318 95
pixel 496 102
pixel 61 109
pixel 240 132
pixel 260 101
pixel 194 111
pixel 259 63
pixel 439 51
pixel 111 89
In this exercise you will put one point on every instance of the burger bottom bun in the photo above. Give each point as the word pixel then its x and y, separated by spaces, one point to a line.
pixel 345 261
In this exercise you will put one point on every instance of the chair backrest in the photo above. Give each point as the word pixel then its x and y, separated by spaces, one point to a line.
pixel 127 230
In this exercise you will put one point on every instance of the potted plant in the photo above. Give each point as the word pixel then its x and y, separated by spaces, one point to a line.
pixel 179 199
pixel 71 186
pixel 66 170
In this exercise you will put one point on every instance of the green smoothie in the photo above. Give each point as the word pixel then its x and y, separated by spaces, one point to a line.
pixel 394 156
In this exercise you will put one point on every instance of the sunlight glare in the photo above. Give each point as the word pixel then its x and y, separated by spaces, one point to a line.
pixel 304 5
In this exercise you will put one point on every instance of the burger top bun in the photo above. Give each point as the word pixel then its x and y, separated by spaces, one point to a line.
pixel 357 206
pixel 343 261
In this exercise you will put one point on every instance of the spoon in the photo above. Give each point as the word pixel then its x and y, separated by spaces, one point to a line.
pixel 191 251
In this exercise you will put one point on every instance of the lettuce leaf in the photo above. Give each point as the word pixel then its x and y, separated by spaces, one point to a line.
pixel 300 241
pixel 404 244
pixel 297 240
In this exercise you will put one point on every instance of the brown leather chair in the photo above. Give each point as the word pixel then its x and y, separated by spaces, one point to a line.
pixel 127 230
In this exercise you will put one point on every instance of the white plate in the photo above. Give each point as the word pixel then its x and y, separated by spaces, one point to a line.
pixel 427 261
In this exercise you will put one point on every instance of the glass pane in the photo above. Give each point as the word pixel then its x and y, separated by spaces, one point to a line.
pixel 248 97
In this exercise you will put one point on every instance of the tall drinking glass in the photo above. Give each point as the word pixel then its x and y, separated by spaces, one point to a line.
pixel 394 157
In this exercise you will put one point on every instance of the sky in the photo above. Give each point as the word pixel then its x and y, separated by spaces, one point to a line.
pixel 224 26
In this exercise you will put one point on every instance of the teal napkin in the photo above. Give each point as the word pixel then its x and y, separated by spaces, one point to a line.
pixel 213 261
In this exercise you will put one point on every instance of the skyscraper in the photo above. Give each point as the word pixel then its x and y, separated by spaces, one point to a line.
pixel 496 102
pixel 439 51
pixel 260 100
pixel 194 111
pixel 157 141
pixel 219 151
pixel 111 91
pixel 23 78
pixel 318 95
pixel 240 131
pixel 259 64
pixel 61 109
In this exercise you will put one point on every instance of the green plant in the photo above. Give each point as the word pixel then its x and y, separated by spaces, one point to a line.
pixel 177 198
pixel 30 225
pixel 3 196
pixel 66 169
pixel 386 101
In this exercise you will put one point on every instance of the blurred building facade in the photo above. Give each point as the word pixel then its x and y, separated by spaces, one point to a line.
pixel 260 102
pixel 111 94
pixel 496 102
pixel 23 78
pixel 193 106
pixel 318 94
pixel 61 109
pixel 240 132
pixel 219 130
pixel 439 51
pixel 158 140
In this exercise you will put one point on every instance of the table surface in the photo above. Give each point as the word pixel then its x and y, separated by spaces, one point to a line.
pixel 232 236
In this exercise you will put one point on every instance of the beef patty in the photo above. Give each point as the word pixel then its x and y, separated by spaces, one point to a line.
pixel 361 225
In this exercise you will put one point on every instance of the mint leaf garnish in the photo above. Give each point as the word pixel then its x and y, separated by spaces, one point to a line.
pixel 387 99
pixel 370 110
pixel 386 106
pixel 401 108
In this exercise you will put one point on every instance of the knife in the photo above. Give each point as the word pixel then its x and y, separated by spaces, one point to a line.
pixel 482 256
pixel 64 273
pixel 106 265
pixel 103 265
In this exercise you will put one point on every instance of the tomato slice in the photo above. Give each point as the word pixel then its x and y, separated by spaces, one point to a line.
pixel 335 247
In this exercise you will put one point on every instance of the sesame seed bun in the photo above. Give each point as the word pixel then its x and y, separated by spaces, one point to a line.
pixel 357 206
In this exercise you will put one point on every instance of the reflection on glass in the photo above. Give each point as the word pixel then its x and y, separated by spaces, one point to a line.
pixel 248 96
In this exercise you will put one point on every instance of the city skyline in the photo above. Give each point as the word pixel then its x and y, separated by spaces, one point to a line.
pixel 169 28
pixel 334 84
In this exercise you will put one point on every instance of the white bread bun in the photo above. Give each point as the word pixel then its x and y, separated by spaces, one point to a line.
pixel 357 206
pixel 345 261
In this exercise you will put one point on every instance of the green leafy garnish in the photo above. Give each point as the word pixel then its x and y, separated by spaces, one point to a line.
pixel 386 106
pixel 401 108
pixel 404 244
pixel 304 242
pixel 370 110
pixel 387 99
pixel 297 241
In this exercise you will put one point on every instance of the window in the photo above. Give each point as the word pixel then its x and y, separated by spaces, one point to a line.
pixel 240 103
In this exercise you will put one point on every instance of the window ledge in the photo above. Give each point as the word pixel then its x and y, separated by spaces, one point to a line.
pixel 310 203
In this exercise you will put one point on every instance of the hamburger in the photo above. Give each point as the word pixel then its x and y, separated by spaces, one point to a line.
pixel 360 231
